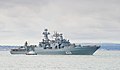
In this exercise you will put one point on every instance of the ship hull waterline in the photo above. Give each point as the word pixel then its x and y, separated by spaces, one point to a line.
pixel 64 51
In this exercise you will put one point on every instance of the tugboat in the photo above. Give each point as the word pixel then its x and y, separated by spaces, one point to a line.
pixel 20 50
pixel 57 46
pixel 28 50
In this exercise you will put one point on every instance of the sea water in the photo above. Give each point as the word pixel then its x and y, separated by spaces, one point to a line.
pixel 101 60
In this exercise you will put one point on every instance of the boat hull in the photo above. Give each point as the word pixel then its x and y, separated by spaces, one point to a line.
pixel 62 51
pixel 68 51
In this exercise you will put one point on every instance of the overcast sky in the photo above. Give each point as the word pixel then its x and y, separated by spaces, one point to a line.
pixel 78 20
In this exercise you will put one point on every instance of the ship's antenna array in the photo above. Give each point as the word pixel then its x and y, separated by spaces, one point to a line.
pixel 46 33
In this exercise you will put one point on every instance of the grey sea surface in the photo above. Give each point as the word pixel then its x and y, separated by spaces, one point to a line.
pixel 101 60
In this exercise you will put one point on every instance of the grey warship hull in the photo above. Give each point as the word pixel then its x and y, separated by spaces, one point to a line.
pixel 64 51
pixel 56 46
pixel 71 51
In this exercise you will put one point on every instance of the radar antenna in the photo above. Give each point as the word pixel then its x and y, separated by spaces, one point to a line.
pixel 46 33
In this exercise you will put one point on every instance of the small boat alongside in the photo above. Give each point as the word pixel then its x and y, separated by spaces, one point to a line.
pixel 31 53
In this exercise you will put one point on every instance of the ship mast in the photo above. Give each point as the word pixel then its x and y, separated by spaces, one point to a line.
pixel 46 33
pixel 26 44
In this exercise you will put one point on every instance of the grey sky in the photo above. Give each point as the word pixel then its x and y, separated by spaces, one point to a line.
pixel 78 20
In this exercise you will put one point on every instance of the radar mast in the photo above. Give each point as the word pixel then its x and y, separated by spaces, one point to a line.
pixel 46 33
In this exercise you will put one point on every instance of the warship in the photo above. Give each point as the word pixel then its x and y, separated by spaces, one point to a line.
pixel 57 46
